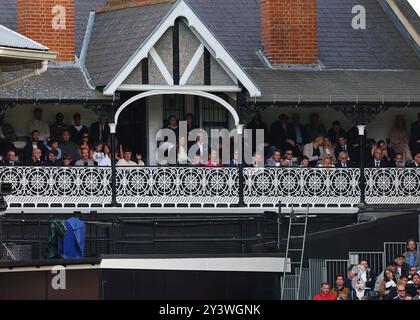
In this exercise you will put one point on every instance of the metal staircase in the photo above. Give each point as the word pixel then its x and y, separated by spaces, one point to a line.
pixel 295 249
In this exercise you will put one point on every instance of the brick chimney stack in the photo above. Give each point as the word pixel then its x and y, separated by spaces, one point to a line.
pixel 49 22
pixel 289 31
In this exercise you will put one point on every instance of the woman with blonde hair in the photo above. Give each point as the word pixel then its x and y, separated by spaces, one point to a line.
pixel 399 138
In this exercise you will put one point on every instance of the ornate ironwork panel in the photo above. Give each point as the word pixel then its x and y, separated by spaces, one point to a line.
pixel 299 186
pixel 178 185
pixel 392 186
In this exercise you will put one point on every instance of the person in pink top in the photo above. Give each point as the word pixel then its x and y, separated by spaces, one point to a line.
pixel 325 293
pixel 214 160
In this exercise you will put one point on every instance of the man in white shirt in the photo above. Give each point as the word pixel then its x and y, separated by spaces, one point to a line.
pixel 127 162
pixel 39 125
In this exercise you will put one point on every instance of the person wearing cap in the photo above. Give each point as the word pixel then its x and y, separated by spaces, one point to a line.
pixel 38 125
pixel 100 131
pixel 58 127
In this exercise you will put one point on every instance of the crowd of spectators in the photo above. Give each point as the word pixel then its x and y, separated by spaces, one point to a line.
pixel 60 144
pixel 399 281
pixel 286 144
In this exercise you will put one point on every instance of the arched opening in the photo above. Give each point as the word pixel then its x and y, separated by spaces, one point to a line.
pixel 207 95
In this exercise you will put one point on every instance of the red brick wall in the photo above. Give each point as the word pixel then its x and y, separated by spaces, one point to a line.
pixel 289 31
pixel 36 21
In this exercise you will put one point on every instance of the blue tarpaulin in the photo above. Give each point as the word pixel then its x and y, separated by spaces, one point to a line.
pixel 72 244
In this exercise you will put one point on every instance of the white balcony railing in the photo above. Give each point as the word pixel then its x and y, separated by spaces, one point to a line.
pixel 201 187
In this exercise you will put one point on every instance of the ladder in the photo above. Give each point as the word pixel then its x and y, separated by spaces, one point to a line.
pixel 297 232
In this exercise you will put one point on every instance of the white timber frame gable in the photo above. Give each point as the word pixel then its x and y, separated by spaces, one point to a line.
pixel 207 42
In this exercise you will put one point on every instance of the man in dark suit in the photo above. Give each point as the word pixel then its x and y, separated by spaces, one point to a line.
pixel 10 159
pixel 35 160
pixel 52 159
pixel 415 136
pixel 343 160
pixel 343 146
pixel 33 144
pixel 100 131
pixel 416 162
pixel 377 161
pixel 282 135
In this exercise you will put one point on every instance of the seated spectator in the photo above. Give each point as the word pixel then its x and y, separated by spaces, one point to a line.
pixel 173 125
pixel 53 160
pixel 370 149
pixel 58 127
pixel 350 276
pixel 275 160
pixel 336 132
pixel 365 273
pixel 411 273
pixel 412 255
pixel 315 129
pixel 34 143
pixel 98 153
pixel 393 267
pixel 235 160
pixel 387 152
pixel 343 160
pixel 398 161
pixel 340 291
pixel 257 160
pixel 389 281
pixel 415 163
pixel 36 158
pixel 289 159
pixel 304 162
pixel 359 291
pixel 11 159
pixel 214 160
pixel 67 160
pixel 314 151
pixel 393 292
pixel 53 145
pixel 197 161
pixel 329 151
pixel 182 151
pixel 127 162
pixel 377 161
pixel 282 135
pixel 69 147
pixel 85 160
pixel 85 144
pixel 414 286
pixel 325 293
pixel 402 267
pixel 401 293
pixel 326 163
pixel 343 146
pixel 105 161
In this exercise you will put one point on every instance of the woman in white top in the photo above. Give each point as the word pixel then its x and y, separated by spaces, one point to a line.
pixel 98 153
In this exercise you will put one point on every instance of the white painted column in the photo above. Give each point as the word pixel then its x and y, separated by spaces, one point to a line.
pixel 154 120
